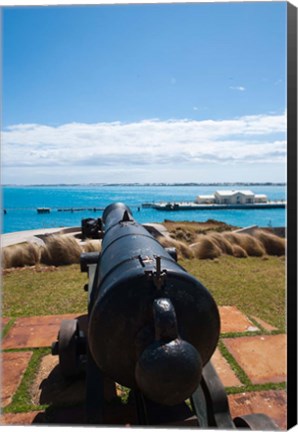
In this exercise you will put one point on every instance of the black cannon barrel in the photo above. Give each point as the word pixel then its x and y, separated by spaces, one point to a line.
pixel 152 326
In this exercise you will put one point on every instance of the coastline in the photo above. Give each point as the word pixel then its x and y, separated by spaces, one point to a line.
pixel 20 205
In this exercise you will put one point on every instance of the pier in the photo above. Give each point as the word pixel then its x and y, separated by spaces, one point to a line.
pixel 43 210
pixel 69 209
pixel 73 209
pixel 174 206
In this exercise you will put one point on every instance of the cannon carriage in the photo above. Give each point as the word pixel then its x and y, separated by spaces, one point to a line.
pixel 152 327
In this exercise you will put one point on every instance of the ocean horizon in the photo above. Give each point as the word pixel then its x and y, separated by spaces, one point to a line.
pixel 20 203
pixel 147 184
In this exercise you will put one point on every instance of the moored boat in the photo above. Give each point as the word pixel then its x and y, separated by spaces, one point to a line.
pixel 43 210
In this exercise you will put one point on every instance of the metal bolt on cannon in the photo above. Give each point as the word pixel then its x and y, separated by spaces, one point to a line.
pixel 152 327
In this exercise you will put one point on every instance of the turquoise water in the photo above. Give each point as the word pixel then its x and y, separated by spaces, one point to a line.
pixel 21 203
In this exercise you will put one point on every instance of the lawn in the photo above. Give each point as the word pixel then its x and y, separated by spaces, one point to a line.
pixel 255 285
pixel 26 292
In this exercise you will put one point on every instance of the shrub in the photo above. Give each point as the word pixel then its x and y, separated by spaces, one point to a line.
pixel 250 244
pixel 222 243
pixel 239 252
pixel 205 248
pixel 183 235
pixel 183 250
pixel 273 244
pixel 92 246
pixel 20 255
pixel 60 250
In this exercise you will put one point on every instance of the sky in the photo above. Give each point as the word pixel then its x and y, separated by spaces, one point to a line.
pixel 192 92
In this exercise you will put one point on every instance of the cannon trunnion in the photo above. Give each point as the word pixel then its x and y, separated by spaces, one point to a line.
pixel 152 327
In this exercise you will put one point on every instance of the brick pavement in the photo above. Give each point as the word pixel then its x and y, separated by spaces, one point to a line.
pixel 260 355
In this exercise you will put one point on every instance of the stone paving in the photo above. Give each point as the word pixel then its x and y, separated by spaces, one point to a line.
pixel 254 347
pixel 267 352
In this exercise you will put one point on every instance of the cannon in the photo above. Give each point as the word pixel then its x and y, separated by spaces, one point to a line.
pixel 152 327
pixel 91 228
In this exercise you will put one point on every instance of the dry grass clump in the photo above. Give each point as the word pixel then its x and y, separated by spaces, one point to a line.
pixel 197 227
pixel 212 245
pixel 64 250
pixel 183 250
pixel 60 250
pixel 222 243
pixel 183 235
pixel 239 252
pixel 273 244
pixel 20 255
pixel 92 246
pixel 205 248
pixel 57 251
pixel 250 244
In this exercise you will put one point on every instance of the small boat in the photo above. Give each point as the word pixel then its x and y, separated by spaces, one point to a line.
pixel 43 210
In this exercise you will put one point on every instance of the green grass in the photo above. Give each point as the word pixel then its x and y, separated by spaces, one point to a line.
pixel 21 401
pixel 7 327
pixel 239 372
pixel 256 286
pixel 28 293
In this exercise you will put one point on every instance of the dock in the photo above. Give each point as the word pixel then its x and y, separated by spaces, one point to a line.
pixel 175 206
pixel 43 210
pixel 78 209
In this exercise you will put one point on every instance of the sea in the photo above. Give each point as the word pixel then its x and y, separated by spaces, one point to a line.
pixel 20 203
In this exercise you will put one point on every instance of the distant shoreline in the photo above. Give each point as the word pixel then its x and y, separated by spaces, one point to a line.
pixel 159 184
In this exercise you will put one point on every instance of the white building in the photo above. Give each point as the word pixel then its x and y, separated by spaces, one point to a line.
pixel 231 197
pixel 205 199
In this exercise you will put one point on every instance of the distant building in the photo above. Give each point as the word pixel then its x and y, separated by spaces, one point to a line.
pixel 231 197
pixel 205 199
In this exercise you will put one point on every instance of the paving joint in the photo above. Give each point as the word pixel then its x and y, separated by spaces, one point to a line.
pixel 41 380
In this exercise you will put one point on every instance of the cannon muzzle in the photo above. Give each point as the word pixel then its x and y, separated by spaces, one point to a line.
pixel 168 370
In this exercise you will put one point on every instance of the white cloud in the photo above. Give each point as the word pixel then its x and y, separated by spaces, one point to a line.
pixel 250 139
pixel 239 88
